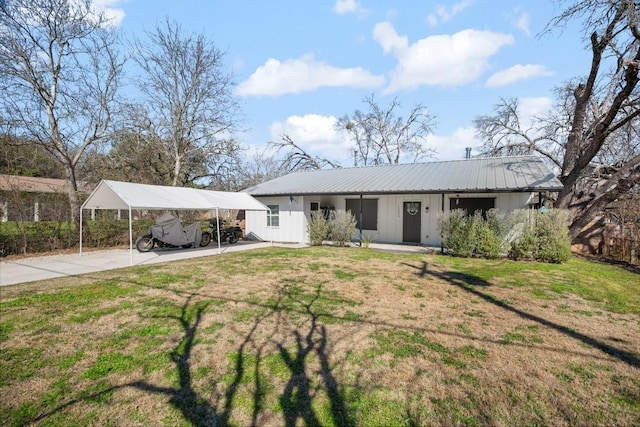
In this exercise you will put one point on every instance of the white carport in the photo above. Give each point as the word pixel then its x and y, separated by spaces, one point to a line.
pixel 129 196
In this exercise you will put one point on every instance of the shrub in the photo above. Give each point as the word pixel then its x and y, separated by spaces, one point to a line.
pixel 544 236
pixel 486 239
pixel 365 241
pixel 465 236
pixel 456 233
pixel 318 228
pixel 553 236
pixel 342 227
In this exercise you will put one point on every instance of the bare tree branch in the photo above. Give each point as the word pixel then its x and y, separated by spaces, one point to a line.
pixel 297 159
pixel 381 136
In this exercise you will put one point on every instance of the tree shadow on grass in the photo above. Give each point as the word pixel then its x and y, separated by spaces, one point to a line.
pixel 298 398
pixel 472 284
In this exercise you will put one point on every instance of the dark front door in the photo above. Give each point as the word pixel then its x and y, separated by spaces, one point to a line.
pixel 411 222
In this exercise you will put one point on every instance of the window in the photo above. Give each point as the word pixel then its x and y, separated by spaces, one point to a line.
pixel 369 213
pixel 472 204
pixel 273 216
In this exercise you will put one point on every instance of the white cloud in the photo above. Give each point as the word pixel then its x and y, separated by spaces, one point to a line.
pixel 446 60
pixel 521 22
pixel 304 74
pixel 530 108
pixel 314 133
pixel 452 147
pixel 108 7
pixel 342 7
pixel 444 14
pixel 517 73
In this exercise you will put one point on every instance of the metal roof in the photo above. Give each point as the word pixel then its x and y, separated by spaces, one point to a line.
pixel 481 175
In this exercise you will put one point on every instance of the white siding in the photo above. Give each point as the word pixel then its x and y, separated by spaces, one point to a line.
pixel 293 222
pixel 294 215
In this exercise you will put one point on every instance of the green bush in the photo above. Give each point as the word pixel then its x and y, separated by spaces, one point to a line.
pixel 486 238
pixel 545 236
pixel 536 235
pixel 456 232
pixel 318 228
pixel 342 227
pixel 21 237
pixel 553 236
pixel 467 236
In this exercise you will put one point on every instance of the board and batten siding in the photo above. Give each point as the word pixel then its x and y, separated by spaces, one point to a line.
pixel 294 214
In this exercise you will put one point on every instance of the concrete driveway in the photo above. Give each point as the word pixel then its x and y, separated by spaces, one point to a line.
pixel 48 267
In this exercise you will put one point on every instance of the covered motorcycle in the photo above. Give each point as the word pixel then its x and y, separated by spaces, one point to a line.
pixel 168 232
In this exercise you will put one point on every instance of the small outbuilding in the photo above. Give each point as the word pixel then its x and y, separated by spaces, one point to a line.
pixel 399 203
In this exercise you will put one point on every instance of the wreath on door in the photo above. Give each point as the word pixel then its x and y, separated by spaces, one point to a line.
pixel 413 208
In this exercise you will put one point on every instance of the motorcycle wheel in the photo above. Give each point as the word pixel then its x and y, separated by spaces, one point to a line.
pixel 145 243
pixel 205 239
pixel 233 239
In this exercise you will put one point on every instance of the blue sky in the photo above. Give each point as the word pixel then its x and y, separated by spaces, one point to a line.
pixel 299 65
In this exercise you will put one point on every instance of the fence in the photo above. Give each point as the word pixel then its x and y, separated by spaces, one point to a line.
pixel 622 249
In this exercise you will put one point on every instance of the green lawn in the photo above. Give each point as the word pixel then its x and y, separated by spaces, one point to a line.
pixel 324 336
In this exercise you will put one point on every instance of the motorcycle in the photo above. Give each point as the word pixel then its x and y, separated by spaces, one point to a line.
pixel 230 234
pixel 167 232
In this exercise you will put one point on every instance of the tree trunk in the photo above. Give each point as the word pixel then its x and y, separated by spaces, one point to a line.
pixel 72 190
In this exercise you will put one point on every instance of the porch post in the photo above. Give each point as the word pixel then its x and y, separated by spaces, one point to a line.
pixel 360 220
pixel 441 245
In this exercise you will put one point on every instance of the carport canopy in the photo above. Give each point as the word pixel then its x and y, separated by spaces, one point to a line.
pixel 130 196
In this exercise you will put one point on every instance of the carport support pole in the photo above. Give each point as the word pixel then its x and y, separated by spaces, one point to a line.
pixel 130 238
pixel 80 231
pixel 218 226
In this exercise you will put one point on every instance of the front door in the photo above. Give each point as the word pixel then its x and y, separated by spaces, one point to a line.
pixel 411 222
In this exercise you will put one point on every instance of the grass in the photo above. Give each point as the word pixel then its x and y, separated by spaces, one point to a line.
pixel 324 336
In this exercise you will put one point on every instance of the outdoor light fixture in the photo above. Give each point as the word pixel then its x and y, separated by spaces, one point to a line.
pixel 426 209
pixel 291 199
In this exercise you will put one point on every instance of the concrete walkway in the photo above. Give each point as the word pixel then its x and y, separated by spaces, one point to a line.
pixel 48 267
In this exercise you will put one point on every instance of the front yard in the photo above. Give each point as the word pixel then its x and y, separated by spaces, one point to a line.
pixel 324 336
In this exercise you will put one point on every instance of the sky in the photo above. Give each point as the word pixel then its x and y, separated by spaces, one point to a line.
pixel 300 65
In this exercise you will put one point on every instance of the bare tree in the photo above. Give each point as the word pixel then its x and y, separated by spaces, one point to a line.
pixel 188 104
pixel 380 136
pixel 59 76
pixel 592 133
pixel 297 159
pixel 506 134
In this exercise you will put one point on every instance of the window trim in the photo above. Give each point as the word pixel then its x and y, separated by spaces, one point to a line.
pixel 271 216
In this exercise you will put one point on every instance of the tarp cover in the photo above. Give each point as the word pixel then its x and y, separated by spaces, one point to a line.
pixel 169 230
pixel 124 195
